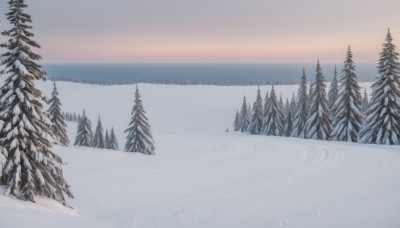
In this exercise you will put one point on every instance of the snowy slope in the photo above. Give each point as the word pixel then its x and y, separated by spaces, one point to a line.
pixel 203 177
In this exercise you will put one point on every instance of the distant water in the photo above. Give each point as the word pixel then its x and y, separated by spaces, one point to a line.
pixel 211 73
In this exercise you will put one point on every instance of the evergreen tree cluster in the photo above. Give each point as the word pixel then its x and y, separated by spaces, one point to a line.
pixel 72 117
pixel 100 139
pixel 342 114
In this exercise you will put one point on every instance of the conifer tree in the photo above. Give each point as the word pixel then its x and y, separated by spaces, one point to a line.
pixel 382 124
pixel 84 135
pixel 31 169
pixel 365 101
pixel 273 121
pixel 333 94
pixel 113 141
pixel 244 117
pixel 288 124
pixel 292 106
pixel 348 112
pixel 255 126
pixel 57 118
pixel 139 139
pixel 281 104
pixel 107 140
pixel 287 107
pixel 266 100
pixel 98 140
pixel 237 124
pixel 302 110
pixel 318 122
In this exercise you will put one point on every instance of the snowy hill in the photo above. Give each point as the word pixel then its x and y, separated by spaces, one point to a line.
pixel 203 177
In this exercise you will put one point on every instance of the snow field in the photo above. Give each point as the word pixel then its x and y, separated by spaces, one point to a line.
pixel 203 177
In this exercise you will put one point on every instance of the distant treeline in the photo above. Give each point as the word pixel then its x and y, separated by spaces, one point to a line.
pixel 173 82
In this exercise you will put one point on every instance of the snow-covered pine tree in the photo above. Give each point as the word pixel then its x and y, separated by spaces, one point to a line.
pixel 292 107
pixel 113 141
pixel 139 139
pixel 318 122
pixel 57 118
pixel 107 140
pixel 287 107
pixel 84 135
pixel 75 117
pixel 273 121
pixel 281 104
pixel 31 169
pixel 237 124
pixel 266 100
pixel 365 101
pixel 98 140
pixel 302 109
pixel 333 94
pixel 244 117
pixel 310 93
pixel 348 111
pixel 255 126
pixel 288 125
pixel 382 124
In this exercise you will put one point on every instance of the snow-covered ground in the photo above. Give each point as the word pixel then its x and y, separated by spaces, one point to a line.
pixel 204 177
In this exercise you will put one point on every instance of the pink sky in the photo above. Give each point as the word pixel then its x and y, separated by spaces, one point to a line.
pixel 211 30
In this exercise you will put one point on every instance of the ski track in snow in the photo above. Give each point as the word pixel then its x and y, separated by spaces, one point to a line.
pixel 235 180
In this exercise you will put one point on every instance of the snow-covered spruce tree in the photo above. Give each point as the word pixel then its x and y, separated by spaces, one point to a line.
pixel 288 124
pixel 365 101
pixel 333 94
pixel 318 122
pixel 287 107
pixel 348 111
pixel 244 117
pixel 273 121
pixel 255 126
pixel 382 124
pixel 98 140
pixel 302 110
pixel 84 136
pixel 281 105
pixel 266 100
pixel 139 139
pixel 31 169
pixel 107 140
pixel 292 106
pixel 237 124
pixel 113 141
pixel 57 118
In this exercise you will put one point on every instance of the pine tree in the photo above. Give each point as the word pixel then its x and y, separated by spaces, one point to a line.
pixel 302 110
pixel 287 107
pixel 244 117
pixel 84 135
pixel 273 121
pixel 292 107
pixel 107 140
pixel 57 118
pixel 348 112
pixel 31 169
pixel 257 115
pixel 113 141
pixel 288 127
pixel 236 124
pixel 281 104
pixel 98 140
pixel 266 100
pixel 333 94
pixel 318 122
pixel 382 124
pixel 365 101
pixel 139 137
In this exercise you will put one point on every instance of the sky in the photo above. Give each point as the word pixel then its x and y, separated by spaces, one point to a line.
pixel 210 31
